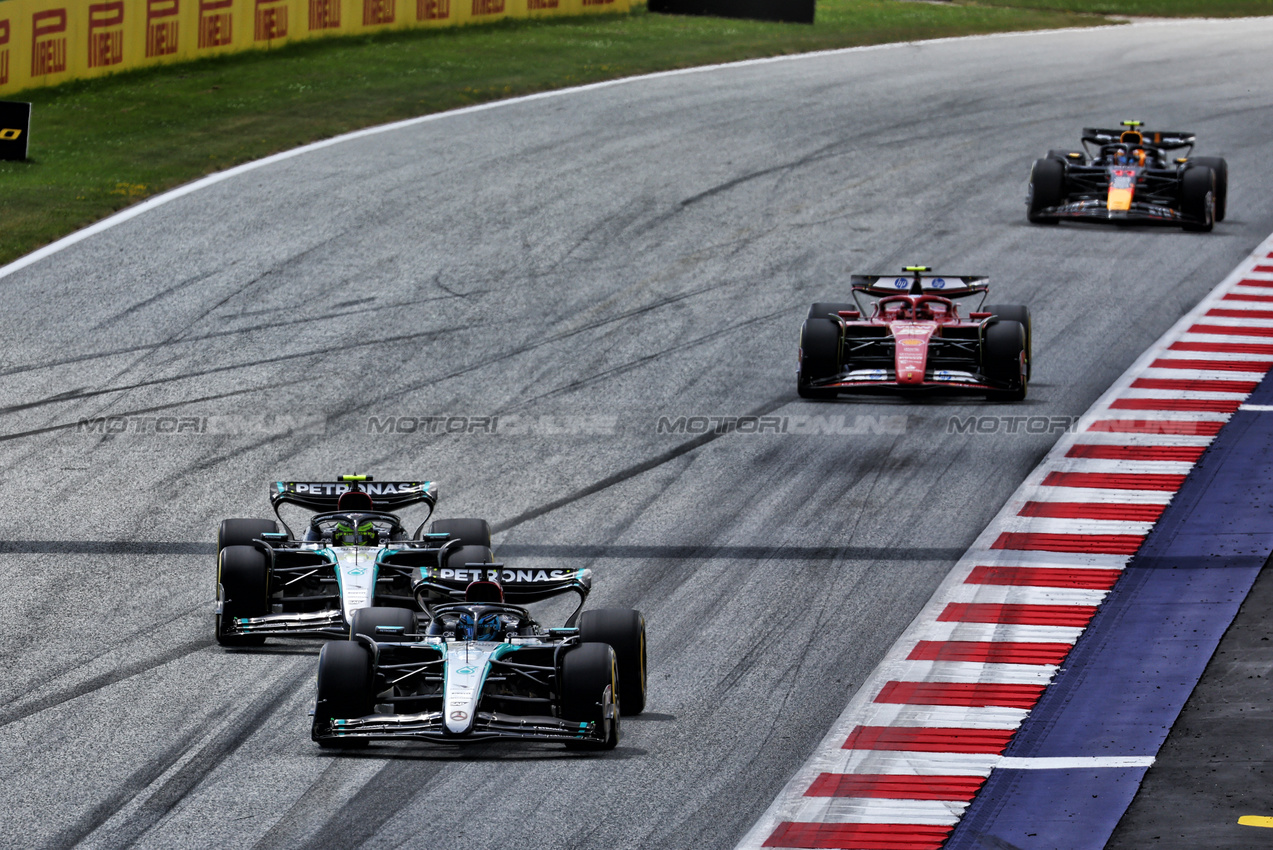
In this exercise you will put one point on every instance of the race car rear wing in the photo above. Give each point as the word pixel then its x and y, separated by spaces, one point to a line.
pixel 323 495
pixel 947 286
pixel 443 585
pixel 1168 140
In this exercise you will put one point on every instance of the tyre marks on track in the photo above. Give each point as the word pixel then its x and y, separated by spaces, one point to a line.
pixel 631 471
pixel 391 790
pixel 124 818
pixel 25 706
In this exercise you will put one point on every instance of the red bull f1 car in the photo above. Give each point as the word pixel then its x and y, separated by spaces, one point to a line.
pixel 1130 176
pixel 478 667
pixel 352 554
pixel 913 333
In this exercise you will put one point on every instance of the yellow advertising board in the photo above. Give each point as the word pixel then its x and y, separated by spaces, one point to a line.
pixel 46 42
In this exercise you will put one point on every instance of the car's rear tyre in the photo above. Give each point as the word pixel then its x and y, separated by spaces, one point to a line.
pixel 1017 313
pixel 1068 156
pixel 461 555
pixel 241 532
pixel 819 356
pixel 345 687
pixel 243 579
pixel 1221 168
pixel 366 620
pixel 1197 198
pixel 823 309
pixel 586 672
pixel 471 532
pixel 624 630
pixel 1003 360
pixel 1047 189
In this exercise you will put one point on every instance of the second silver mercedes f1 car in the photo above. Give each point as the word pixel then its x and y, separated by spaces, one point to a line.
pixel 353 553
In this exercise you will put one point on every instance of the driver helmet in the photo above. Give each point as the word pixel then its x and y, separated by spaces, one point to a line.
pixel 479 627
pixel 350 532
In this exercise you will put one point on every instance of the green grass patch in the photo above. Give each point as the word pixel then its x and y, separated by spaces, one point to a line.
pixel 100 145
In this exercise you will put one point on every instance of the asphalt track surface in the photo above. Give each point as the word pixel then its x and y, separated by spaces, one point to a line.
pixel 579 266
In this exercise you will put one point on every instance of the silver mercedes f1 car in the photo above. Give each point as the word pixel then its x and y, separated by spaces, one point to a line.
pixel 353 553
pixel 480 667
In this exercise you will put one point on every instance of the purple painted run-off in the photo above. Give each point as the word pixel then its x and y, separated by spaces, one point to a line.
pixel 1131 672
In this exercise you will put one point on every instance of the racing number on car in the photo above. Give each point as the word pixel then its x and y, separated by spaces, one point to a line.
pixel 10 135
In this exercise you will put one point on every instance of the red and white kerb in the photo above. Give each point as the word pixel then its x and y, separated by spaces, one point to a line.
pixel 920 737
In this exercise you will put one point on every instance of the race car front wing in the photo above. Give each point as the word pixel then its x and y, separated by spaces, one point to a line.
pixel 487 726
pixel 937 379
pixel 1097 209
pixel 318 624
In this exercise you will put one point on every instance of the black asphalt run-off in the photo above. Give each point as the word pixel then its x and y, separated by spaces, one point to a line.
pixel 637 251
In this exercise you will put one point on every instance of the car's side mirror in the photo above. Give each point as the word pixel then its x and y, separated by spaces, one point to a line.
pixel 979 316
pixel 851 315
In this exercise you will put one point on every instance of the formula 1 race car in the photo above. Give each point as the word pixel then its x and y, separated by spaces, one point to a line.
pixel 482 668
pixel 907 333
pixel 352 555
pixel 1129 178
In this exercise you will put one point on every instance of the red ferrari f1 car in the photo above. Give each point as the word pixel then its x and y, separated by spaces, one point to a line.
pixel 908 333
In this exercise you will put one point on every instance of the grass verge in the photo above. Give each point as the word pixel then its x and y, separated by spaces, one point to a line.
pixel 99 145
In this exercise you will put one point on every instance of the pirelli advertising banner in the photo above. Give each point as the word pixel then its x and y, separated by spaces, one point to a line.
pixel 46 42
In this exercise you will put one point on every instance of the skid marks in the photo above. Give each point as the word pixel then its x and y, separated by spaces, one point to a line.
pixel 150 794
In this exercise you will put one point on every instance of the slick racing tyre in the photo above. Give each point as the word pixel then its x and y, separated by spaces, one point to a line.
pixel 819 356
pixel 1221 168
pixel 241 532
pixel 471 532
pixel 1003 360
pixel 823 309
pixel 457 557
pixel 586 672
pixel 1068 156
pixel 367 620
pixel 624 630
pixel 1047 189
pixel 243 578
pixel 345 687
pixel 1017 313
pixel 1198 198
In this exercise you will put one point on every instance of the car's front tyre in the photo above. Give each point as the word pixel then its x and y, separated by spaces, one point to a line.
pixel 587 671
pixel 243 579
pixel 1198 198
pixel 819 356
pixel 345 688
pixel 1046 190
pixel 1003 360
